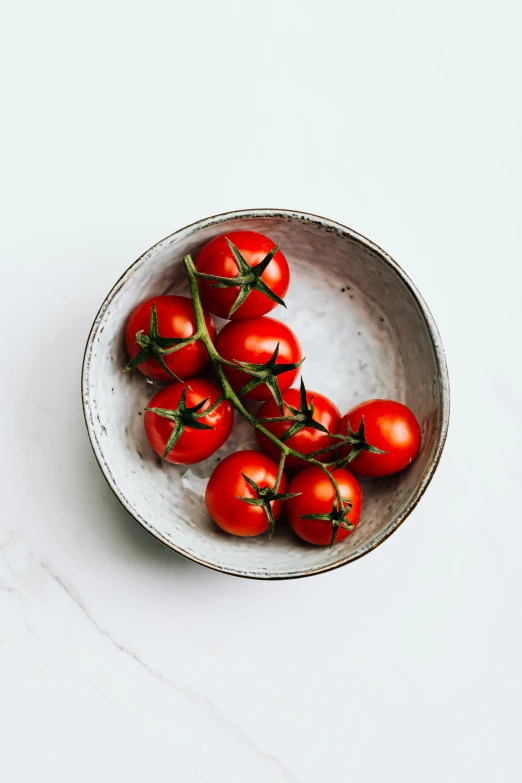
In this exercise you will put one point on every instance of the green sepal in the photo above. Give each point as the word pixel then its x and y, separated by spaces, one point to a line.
pixel 267 373
pixel 251 501
pixel 270 518
pixel 198 425
pixel 322 517
pixel 338 517
pixel 262 287
pixel 165 413
pixel 260 268
pixel 273 386
pixel 153 346
pixel 210 408
pixel 242 265
pixel 335 527
pixel 357 440
pixel 141 356
pixel 183 416
pixel 251 483
pixel 301 417
pixel 243 293
pixel 197 408
pixel 296 427
pixel 265 496
pixel 161 362
pixel 176 434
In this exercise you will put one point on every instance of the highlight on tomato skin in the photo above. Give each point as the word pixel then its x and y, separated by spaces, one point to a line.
pixel 390 427
pixel 254 340
pixel 227 485
pixel 193 445
pixel 317 496
pixel 175 319
pixel 217 258
pixel 307 439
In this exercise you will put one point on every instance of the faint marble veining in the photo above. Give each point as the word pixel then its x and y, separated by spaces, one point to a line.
pixel 199 700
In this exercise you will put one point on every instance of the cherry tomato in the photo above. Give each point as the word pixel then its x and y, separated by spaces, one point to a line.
pixel 307 439
pixel 390 427
pixel 254 340
pixel 227 484
pixel 193 445
pixel 317 497
pixel 217 258
pixel 175 319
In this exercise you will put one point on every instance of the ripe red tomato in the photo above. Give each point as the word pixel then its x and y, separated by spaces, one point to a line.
pixel 174 404
pixel 254 340
pixel 317 497
pixel 307 439
pixel 217 258
pixel 227 484
pixel 175 319
pixel 390 427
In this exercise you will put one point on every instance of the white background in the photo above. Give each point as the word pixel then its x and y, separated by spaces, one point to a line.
pixel 122 122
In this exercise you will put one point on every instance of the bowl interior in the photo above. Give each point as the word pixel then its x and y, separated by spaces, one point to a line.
pixel 364 332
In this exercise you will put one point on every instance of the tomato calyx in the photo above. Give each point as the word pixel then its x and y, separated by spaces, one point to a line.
pixel 338 517
pixel 358 442
pixel 355 439
pixel 264 497
pixel 153 346
pixel 184 416
pixel 248 278
pixel 266 373
pixel 300 417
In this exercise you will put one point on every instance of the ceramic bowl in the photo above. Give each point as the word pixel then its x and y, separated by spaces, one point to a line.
pixel 365 331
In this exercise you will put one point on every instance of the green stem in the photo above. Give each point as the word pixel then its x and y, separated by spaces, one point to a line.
pixel 343 461
pixel 280 469
pixel 227 391
pixel 324 468
pixel 227 280
pixel 230 364
pixel 278 418
pixel 211 408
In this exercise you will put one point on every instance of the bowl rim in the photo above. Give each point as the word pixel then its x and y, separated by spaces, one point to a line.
pixel 343 231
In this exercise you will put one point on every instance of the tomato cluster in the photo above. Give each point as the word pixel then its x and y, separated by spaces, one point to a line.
pixel 242 276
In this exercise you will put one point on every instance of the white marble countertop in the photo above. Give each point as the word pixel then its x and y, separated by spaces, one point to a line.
pixel 122 661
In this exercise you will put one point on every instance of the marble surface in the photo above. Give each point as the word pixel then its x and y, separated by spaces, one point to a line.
pixel 120 660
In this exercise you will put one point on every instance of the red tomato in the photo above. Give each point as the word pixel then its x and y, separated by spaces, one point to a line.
pixel 194 445
pixel 175 318
pixel 306 440
pixel 317 497
pixel 217 258
pixel 227 485
pixel 255 340
pixel 390 427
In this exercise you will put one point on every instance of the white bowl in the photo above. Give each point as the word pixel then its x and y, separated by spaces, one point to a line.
pixel 366 332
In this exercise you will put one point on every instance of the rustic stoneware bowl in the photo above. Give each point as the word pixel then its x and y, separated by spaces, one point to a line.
pixel 365 331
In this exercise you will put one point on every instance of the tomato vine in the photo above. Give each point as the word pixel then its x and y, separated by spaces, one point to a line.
pixel 229 394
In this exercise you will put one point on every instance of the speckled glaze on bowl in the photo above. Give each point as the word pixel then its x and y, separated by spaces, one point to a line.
pixel 366 332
